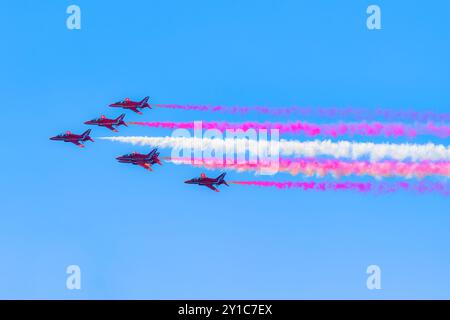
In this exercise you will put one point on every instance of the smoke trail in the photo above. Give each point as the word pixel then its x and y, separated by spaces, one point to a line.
pixel 364 187
pixel 336 168
pixel 309 149
pixel 313 129
pixel 331 112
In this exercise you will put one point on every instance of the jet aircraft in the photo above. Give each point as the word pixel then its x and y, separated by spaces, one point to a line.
pixel 144 160
pixel 211 183
pixel 132 105
pixel 77 139
pixel 108 123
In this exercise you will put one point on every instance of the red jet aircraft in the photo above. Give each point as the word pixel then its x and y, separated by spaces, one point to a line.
pixel 132 105
pixel 108 123
pixel 144 160
pixel 74 138
pixel 208 182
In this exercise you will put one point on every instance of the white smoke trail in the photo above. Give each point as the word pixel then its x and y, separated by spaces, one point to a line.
pixel 315 148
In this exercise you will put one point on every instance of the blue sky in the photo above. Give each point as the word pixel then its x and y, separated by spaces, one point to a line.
pixel 145 235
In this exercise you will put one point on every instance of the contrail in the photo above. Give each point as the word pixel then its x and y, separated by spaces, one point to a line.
pixel 364 187
pixel 309 149
pixel 372 129
pixel 323 167
pixel 329 112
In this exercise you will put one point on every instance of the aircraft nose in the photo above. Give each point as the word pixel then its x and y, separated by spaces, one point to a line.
pixel 88 122
pixel 52 138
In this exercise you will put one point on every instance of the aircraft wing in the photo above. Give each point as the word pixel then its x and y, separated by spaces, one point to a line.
pixel 111 128
pixel 211 187
pixel 135 110
pixel 145 166
pixel 78 143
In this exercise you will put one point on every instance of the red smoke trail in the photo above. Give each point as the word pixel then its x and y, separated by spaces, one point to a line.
pixel 331 112
pixel 313 130
pixel 381 187
pixel 337 168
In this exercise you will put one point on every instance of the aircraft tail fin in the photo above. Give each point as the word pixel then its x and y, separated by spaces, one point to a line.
pixel 119 120
pixel 220 179
pixel 86 136
pixel 153 152
pixel 144 103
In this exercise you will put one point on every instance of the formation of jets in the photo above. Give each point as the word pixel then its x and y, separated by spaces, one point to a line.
pixel 103 121
pixel 143 160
